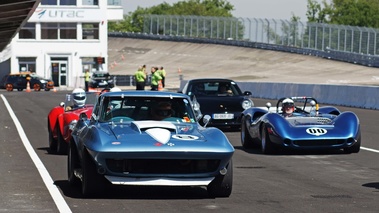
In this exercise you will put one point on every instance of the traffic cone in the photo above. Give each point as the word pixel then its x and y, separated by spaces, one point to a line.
pixel 160 86
pixel 28 86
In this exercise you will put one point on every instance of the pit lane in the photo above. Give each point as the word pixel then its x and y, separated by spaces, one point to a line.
pixel 294 182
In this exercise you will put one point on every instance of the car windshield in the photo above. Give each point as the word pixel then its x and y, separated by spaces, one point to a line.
pixel 123 109
pixel 215 89
pixel 33 75
pixel 100 75
pixel 89 99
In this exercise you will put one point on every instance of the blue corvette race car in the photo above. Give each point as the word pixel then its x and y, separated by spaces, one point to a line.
pixel 148 138
pixel 309 127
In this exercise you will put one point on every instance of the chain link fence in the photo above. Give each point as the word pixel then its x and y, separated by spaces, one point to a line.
pixel 339 42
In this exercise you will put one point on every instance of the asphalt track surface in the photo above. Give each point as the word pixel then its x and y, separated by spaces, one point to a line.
pixel 287 182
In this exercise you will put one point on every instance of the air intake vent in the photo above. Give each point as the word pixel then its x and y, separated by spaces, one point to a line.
pixel 316 131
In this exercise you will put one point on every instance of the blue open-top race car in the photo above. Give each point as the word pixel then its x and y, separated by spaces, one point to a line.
pixel 148 138
pixel 299 123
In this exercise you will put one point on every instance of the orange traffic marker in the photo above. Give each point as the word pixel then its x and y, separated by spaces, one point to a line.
pixel 28 86
pixel 160 86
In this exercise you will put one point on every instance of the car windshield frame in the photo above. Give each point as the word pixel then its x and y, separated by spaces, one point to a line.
pixel 122 109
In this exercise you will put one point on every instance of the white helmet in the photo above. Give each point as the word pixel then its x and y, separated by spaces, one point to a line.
pixel 115 89
pixel 79 97
pixel 288 106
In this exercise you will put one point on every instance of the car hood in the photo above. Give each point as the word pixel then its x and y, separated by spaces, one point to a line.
pixel 159 131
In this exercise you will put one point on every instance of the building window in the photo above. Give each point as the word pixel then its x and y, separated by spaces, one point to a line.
pixel 27 64
pixel 58 2
pixel 58 31
pixel 114 2
pixel 49 2
pixel 90 2
pixel 67 30
pixel 28 31
pixel 90 30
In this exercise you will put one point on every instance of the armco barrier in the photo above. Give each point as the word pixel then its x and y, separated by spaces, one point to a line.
pixel 352 96
pixel 342 95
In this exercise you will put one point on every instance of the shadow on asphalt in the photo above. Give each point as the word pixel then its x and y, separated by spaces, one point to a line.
pixel 137 192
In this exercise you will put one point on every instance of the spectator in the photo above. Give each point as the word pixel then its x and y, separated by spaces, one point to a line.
pixel 163 74
pixel 140 78
pixel 87 77
pixel 155 78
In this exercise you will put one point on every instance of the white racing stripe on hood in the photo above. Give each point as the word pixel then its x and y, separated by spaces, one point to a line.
pixel 154 124
pixel 160 135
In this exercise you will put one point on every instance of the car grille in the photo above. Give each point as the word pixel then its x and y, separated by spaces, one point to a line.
pixel 319 143
pixel 162 166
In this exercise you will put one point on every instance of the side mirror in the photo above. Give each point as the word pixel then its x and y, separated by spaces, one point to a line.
pixel 61 104
pixel 247 93
pixel 206 120
pixel 268 105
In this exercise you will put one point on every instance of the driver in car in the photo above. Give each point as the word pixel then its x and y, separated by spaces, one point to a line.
pixel 288 107
pixel 162 111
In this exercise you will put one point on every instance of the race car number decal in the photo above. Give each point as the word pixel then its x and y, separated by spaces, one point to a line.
pixel 185 137
pixel 316 131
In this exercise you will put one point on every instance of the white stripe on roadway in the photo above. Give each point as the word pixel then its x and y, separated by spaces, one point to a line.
pixel 54 192
pixel 371 150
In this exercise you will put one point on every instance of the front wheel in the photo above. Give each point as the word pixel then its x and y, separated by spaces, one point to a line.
pixel 36 87
pixel 93 184
pixel 9 87
pixel 222 185
pixel 267 145
pixel 73 164
pixel 355 148
pixel 52 141
pixel 246 140
pixel 62 144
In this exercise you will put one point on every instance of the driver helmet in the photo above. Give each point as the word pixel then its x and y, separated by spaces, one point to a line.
pixel 79 97
pixel 288 106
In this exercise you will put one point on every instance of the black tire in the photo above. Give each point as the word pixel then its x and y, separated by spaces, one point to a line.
pixel 222 185
pixel 62 145
pixel 267 146
pixel 93 184
pixel 246 140
pixel 52 141
pixel 355 148
pixel 73 164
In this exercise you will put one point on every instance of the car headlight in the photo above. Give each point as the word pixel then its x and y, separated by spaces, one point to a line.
pixel 246 104
pixel 72 125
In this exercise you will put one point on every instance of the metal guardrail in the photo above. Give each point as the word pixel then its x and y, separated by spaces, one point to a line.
pixel 128 80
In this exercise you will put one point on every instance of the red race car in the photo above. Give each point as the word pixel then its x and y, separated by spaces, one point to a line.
pixel 62 119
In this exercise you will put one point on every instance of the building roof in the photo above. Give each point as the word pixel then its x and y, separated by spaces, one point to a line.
pixel 13 15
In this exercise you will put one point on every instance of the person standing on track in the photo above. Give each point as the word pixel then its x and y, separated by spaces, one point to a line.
pixel 155 78
pixel 140 78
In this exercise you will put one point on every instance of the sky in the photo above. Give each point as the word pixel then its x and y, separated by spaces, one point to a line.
pixel 270 9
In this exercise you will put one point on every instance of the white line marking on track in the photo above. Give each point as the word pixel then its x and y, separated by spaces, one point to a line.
pixel 54 192
pixel 371 150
